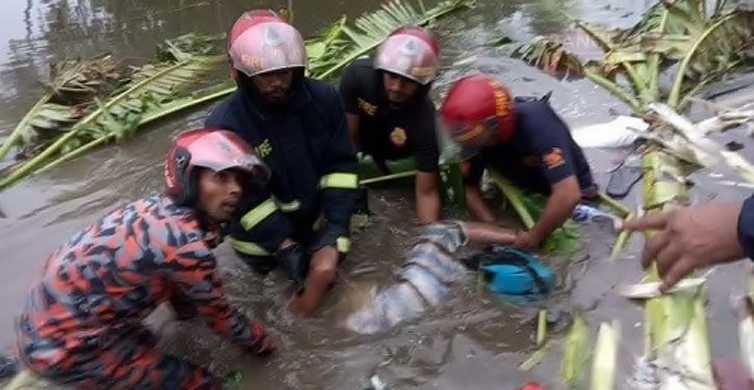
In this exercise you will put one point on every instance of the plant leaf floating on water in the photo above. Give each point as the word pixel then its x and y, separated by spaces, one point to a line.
pixel 149 91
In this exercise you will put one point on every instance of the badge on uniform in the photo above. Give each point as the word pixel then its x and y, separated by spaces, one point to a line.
pixel 398 136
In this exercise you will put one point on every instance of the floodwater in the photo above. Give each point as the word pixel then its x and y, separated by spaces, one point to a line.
pixel 471 342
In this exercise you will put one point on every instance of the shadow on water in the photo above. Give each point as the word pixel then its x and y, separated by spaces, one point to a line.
pixel 470 342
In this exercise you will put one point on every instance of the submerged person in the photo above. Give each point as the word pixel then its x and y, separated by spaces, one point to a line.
pixel 430 269
pixel 82 322
pixel 390 113
pixel 525 141
pixel 302 221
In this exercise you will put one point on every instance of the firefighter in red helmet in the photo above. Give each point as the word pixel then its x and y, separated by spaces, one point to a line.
pixel 82 323
pixel 300 222
pixel 390 114
pixel 521 139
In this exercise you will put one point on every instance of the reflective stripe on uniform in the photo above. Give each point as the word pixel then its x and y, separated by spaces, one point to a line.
pixel 247 248
pixel 289 207
pixel 340 180
pixel 343 244
pixel 258 214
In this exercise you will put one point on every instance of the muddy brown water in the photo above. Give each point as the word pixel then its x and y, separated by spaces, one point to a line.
pixel 470 342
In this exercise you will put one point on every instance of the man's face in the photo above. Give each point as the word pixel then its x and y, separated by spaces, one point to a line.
pixel 398 88
pixel 219 192
pixel 274 86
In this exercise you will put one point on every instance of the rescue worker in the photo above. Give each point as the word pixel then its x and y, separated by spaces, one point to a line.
pixel 389 111
pixel 299 128
pixel 523 140
pixel 82 322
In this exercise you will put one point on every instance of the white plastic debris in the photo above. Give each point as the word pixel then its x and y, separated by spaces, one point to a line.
pixel 621 131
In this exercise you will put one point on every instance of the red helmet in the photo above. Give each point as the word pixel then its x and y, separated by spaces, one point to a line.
pixel 411 52
pixel 260 41
pixel 214 149
pixel 475 109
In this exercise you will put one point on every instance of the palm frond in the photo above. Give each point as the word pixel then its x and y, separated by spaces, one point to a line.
pixel 370 29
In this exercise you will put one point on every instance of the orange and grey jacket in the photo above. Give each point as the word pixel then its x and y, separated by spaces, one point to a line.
pixel 106 279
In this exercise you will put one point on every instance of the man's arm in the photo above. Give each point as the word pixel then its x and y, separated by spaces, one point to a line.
pixel 472 171
pixel 564 197
pixel 353 129
pixel 339 181
pixel 477 206
pixel 192 268
pixel 427 197
pixel 427 156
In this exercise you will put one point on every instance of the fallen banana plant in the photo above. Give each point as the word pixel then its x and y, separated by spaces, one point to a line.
pixel 155 91
pixel 703 46
pixel 151 92
pixel 675 324
pixel 68 97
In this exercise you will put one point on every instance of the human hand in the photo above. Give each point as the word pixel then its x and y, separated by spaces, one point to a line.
pixel 295 263
pixel 526 241
pixel 689 238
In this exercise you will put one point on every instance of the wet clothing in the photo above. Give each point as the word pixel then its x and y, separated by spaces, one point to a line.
pixel 423 282
pixel 82 322
pixel 388 133
pixel 310 195
pixel 746 227
pixel 540 153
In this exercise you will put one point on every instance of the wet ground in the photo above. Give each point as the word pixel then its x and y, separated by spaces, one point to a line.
pixel 471 342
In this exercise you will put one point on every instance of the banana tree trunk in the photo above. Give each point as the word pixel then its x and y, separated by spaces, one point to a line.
pixel 675 324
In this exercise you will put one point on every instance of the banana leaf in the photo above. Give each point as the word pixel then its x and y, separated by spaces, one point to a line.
pixel 705 47
pixel 550 56
pixel 152 89
pixel 529 206
pixel 69 93
pixel 370 29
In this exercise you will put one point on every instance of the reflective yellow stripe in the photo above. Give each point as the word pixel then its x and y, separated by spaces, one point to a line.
pixel 340 180
pixel 248 248
pixel 258 214
pixel 343 244
pixel 288 207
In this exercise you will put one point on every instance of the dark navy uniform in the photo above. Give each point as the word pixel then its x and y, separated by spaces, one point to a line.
pixel 308 150
pixel 388 133
pixel 746 227
pixel 540 153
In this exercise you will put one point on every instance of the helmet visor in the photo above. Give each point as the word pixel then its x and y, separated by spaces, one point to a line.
pixel 473 137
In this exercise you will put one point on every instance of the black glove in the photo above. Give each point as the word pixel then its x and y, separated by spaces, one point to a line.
pixel 295 262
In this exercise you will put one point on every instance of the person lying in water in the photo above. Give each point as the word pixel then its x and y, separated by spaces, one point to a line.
pixel 82 321
pixel 525 141
pixel 431 266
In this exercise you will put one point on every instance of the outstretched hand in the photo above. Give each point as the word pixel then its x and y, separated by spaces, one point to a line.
pixel 689 238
